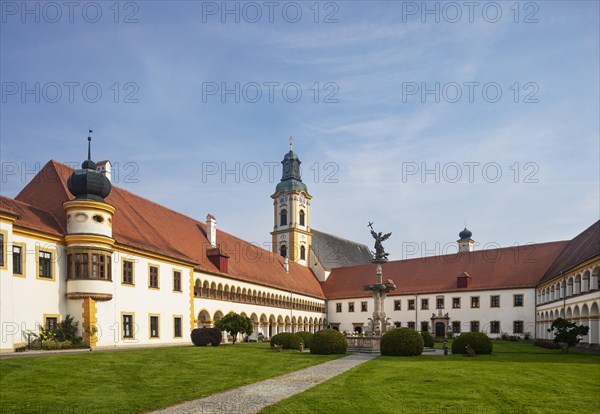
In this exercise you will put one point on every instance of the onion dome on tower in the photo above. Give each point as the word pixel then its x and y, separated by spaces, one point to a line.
pixel 465 243
pixel 465 234
pixel 87 183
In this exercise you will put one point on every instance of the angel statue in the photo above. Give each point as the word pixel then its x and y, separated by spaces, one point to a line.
pixel 379 253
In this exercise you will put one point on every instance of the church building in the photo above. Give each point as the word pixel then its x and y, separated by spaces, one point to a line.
pixel 135 273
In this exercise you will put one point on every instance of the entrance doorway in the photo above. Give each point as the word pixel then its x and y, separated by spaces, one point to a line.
pixel 440 329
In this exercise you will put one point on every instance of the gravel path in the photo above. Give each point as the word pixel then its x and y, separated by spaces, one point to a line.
pixel 254 397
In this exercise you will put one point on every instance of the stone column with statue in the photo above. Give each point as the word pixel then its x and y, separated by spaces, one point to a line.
pixel 379 322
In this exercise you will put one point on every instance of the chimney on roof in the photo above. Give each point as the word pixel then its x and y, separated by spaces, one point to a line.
pixel 104 167
pixel 286 265
pixel 211 230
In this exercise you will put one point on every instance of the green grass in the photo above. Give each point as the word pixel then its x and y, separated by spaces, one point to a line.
pixel 133 381
pixel 516 378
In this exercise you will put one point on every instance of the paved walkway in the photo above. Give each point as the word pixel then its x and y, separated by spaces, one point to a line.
pixel 254 397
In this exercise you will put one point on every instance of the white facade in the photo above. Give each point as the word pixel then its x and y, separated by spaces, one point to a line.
pixel 504 315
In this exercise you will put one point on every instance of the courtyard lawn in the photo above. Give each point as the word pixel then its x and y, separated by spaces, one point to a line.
pixel 516 378
pixel 133 381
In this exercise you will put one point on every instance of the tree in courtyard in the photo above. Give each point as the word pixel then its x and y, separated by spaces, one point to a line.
pixel 567 333
pixel 235 324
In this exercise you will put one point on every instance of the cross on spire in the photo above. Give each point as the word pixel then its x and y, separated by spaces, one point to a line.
pixel 89 144
pixel 291 140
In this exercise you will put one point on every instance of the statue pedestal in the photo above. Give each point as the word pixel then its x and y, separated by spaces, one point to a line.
pixel 379 321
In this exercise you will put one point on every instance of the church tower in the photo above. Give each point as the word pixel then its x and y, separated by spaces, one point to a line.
pixel 291 209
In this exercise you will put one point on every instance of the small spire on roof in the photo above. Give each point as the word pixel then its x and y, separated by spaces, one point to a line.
pixel 90 144
pixel 291 140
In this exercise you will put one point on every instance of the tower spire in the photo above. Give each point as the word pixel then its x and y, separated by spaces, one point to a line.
pixel 291 141
pixel 90 144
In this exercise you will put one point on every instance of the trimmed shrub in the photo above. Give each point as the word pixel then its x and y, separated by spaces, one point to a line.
pixel 547 343
pixel 402 342
pixel 205 336
pixel 428 340
pixel 307 338
pixel 328 341
pixel 287 340
pixel 480 343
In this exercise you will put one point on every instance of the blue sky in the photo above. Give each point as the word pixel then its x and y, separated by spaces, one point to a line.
pixel 517 96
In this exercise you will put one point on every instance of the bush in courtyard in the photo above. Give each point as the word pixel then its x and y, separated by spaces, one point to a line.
pixel 402 342
pixel 328 341
pixel 287 340
pixel 547 343
pixel 480 343
pixel 427 339
pixel 307 338
pixel 205 336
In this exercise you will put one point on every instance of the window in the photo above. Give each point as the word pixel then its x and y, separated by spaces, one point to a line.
pixel 517 327
pixel 424 303
pixel 338 307
pixel 495 301
pixel 45 264
pixel 425 326
pixel 397 324
pixel 455 303
pixel 2 258
pixel 397 305
pixel 283 251
pixel 495 327
pixel 474 326
pixel 411 304
pixel 86 264
pixel 153 282
pixel 439 303
pixel 51 323
pixel 302 217
pixel 81 265
pixel 455 327
pixel 177 327
pixel 302 253
pixel 411 325
pixel 351 307
pixel 283 217
pixel 17 260
pixel 127 272
pixel 128 326
pixel 177 281
pixel 474 303
pixel 518 300
pixel 154 327
pixel 99 270
pixel 363 307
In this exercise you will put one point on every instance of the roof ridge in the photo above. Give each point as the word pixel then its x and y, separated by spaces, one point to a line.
pixel 340 238
pixel 446 256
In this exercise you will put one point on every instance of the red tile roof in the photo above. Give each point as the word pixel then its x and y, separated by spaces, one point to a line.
pixel 143 224
pixel 30 217
pixel 583 247
pixel 510 267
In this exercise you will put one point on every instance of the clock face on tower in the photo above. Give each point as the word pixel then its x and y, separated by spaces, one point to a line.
pixel 302 200
pixel 281 200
